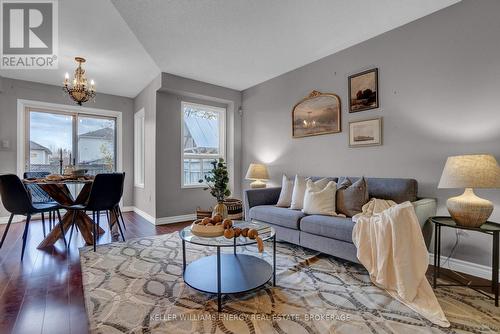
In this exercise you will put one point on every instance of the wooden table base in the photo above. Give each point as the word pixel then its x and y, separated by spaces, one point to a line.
pixel 82 221
pixel 60 192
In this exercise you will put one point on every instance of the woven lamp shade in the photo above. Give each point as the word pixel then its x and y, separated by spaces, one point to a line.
pixel 471 171
pixel 257 172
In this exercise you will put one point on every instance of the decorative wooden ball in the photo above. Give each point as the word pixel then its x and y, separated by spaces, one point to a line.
pixel 229 233
pixel 227 223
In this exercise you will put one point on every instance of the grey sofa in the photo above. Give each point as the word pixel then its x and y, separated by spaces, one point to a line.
pixel 333 235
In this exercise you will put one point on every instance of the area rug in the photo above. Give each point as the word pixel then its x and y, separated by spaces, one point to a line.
pixel 137 287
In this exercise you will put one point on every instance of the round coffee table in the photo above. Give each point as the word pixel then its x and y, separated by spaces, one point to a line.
pixel 228 273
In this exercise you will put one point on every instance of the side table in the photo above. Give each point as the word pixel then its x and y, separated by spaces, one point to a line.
pixel 490 228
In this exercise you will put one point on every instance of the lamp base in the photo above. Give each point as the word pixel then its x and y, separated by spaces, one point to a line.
pixel 469 209
pixel 257 184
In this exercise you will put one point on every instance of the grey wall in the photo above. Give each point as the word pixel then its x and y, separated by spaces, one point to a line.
pixel 145 198
pixel 171 199
pixel 12 90
pixel 439 79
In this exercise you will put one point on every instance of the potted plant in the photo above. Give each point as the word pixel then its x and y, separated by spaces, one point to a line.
pixel 217 181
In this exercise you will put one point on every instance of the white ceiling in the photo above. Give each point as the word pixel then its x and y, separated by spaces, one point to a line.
pixel 240 43
pixel 95 30
pixel 231 43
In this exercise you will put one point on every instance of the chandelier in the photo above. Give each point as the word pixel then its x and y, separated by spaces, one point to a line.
pixel 79 91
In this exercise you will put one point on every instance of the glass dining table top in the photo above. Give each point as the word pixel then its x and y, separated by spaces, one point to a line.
pixel 265 232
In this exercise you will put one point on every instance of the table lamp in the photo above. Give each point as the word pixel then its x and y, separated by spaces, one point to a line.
pixel 258 173
pixel 470 171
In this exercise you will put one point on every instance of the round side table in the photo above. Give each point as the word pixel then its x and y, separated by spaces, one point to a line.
pixel 489 228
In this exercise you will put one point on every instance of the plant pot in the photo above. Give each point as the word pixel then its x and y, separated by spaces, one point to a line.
pixel 234 208
pixel 220 209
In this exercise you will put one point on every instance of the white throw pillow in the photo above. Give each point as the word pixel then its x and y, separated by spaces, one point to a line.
pixel 285 199
pixel 320 200
pixel 299 189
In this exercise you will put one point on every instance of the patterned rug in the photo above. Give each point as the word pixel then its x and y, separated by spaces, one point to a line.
pixel 137 287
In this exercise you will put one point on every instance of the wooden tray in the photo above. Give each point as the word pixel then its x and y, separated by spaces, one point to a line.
pixel 207 231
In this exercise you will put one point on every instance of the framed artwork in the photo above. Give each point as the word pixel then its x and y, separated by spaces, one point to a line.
pixel 363 91
pixel 365 133
pixel 317 114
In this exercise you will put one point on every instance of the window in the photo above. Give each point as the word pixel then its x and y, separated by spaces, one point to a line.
pixel 139 148
pixel 203 140
pixel 88 141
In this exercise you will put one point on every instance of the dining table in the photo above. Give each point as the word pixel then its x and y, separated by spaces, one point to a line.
pixel 58 189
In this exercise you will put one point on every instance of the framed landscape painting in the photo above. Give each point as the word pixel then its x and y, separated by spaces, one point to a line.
pixel 317 114
pixel 365 133
pixel 363 91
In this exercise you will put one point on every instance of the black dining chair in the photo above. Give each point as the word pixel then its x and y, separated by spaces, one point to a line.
pixel 38 196
pixel 119 214
pixel 118 206
pixel 17 200
pixel 105 195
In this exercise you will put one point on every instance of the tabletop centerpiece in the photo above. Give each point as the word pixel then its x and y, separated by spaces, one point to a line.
pixel 217 180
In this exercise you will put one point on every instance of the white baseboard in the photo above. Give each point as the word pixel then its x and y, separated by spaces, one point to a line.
pixel 127 208
pixel 148 217
pixel 20 218
pixel 175 219
pixel 161 220
pixel 16 219
pixel 144 215
pixel 465 267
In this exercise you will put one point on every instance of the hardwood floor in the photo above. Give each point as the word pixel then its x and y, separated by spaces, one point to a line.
pixel 43 294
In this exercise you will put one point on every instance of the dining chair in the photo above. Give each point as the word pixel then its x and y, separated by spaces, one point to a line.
pixel 38 195
pixel 104 195
pixel 118 206
pixel 119 214
pixel 17 200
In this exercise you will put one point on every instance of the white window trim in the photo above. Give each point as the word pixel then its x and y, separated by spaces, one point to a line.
pixel 222 141
pixel 139 164
pixel 23 105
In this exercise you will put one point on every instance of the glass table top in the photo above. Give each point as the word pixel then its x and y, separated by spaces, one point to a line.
pixel 265 232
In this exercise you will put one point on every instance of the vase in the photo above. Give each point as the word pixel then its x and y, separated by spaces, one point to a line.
pixel 220 209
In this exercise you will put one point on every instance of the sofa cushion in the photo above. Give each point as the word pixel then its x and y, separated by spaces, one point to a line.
pixel 280 216
pixel 320 200
pixel 299 190
pixel 339 228
pixel 285 199
pixel 398 190
pixel 352 196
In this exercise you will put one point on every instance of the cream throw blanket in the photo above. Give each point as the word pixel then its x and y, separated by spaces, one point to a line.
pixel 391 247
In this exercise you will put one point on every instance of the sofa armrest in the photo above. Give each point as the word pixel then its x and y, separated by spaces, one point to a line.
pixel 261 196
pixel 426 208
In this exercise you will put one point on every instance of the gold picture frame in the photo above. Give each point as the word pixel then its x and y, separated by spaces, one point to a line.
pixel 317 114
